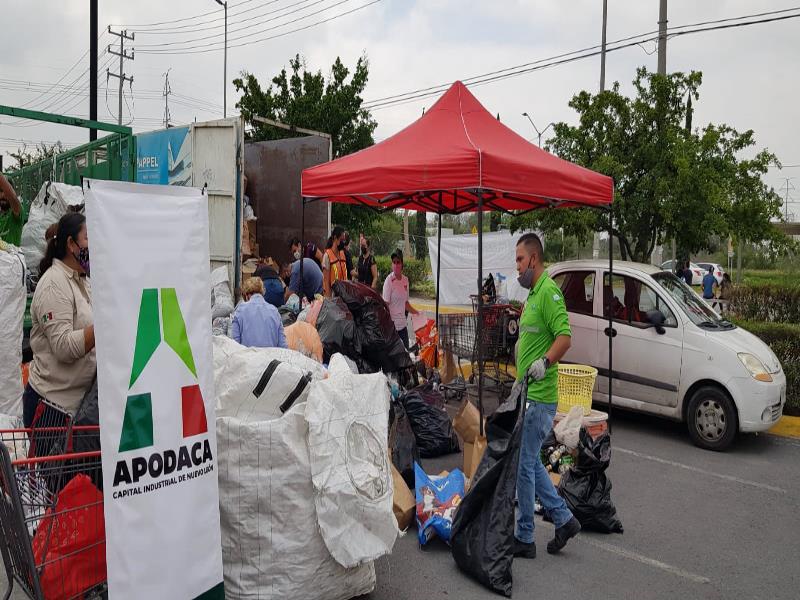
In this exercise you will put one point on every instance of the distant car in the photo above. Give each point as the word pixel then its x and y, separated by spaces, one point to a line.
pixel 673 355
pixel 697 271
pixel 718 270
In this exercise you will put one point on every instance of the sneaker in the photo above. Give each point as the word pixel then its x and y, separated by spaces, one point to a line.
pixel 524 550
pixel 563 535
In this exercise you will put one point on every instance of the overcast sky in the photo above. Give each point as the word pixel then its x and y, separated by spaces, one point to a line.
pixel 749 79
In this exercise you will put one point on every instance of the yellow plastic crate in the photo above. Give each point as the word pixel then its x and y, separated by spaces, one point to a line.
pixel 575 385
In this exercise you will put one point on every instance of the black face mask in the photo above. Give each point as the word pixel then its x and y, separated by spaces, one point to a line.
pixel 526 279
pixel 342 245
pixel 364 250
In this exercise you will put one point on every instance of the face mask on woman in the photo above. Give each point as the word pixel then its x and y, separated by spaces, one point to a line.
pixel 397 269
pixel 82 256
pixel 297 255
pixel 364 250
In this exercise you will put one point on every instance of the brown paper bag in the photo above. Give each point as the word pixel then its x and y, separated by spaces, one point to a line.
pixel 467 421
pixel 448 368
pixel 473 452
pixel 403 502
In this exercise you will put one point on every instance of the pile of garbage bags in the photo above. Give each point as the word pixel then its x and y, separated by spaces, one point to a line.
pixel 305 486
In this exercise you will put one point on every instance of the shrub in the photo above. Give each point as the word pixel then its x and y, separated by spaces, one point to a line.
pixel 784 339
pixel 768 302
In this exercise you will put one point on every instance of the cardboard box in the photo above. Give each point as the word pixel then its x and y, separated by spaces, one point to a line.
pixel 473 452
pixel 403 501
pixel 467 421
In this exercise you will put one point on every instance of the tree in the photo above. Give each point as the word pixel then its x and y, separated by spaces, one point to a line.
pixel 41 151
pixel 420 238
pixel 670 182
pixel 304 98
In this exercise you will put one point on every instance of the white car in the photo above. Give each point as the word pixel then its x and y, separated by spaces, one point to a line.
pixel 697 271
pixel 718 270
pixel 673 355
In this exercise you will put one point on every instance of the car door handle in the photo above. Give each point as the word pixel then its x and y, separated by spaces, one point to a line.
pixel 610 332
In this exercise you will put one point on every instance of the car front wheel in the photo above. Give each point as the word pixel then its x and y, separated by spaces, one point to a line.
pixel 711 418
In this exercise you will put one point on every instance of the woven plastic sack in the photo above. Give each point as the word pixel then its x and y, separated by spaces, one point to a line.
pixel 12 312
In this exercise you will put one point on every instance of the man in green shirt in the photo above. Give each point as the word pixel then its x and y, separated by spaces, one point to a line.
pixel 12 216
pixel 544 338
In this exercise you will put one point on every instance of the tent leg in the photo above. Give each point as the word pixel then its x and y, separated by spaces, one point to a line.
pixel 611 332
pixel 438 276
pixel 302 250
pixel 479 316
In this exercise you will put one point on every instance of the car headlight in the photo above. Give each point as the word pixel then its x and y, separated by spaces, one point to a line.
pixel 755 367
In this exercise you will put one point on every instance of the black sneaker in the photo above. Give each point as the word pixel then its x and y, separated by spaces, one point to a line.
pixel 563 535
pixel 524 550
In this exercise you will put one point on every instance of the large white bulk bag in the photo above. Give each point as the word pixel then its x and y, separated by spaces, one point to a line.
pixel 271 542
pixel 13 293
pixel 51 203
pixel 348 422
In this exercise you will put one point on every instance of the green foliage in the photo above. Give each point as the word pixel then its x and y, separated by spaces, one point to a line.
pixel 384 232
pixel 754 277
pixel 416 270
pixel 784 339
pixel 41 151
pixel 671 182
pixel 772 303
pixel 420 240
pixel 306 99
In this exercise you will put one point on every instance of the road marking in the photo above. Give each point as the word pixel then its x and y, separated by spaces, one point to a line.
pixel 645 560
pixel 672 463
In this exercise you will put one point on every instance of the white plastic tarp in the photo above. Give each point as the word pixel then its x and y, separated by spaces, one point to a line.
pixel 348 419
pixel 272 547
pixel 459 277
pixel 51 203
pixel 13 294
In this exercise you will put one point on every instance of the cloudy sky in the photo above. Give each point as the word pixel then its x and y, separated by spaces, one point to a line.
pixel 749 77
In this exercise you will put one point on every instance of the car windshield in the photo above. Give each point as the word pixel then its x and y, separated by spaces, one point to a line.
pixel 696 309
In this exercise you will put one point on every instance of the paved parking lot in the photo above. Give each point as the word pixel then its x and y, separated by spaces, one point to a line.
pixel 698 524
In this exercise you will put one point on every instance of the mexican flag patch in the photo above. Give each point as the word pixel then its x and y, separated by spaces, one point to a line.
pixel 47 317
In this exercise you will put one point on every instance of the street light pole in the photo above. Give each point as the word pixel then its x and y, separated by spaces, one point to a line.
pixel 225 61
pixel 539 133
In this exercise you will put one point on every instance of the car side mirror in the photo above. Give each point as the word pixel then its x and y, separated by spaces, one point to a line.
pixel 657 319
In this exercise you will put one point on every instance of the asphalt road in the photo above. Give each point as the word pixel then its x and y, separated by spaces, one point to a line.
pixel 698 524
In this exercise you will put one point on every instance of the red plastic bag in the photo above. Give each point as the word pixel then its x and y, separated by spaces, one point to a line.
pixel 70 543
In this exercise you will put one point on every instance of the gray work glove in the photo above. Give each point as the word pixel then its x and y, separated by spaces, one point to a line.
pixel 538 369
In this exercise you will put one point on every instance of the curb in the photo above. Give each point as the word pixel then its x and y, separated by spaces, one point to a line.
pixel 787 426
pixel 430 307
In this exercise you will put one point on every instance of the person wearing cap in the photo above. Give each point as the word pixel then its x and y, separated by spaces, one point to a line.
pixel 395 293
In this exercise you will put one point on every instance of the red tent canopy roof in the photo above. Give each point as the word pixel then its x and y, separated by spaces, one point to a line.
pixel 439 162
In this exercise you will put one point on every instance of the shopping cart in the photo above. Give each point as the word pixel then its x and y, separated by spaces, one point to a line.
pixel 51 512
pixel 484 337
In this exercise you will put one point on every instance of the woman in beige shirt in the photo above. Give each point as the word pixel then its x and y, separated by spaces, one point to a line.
pixel 62 337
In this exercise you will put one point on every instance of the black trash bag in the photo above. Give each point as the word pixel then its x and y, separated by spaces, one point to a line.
pixel 288 316
pixel 482 537
pixel 375 330
pixel 431 425
pixel 402 442
pixel 337 330
pixel 587 490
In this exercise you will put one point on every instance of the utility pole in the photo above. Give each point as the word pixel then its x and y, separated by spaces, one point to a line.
pixel 123 55
pixel 787 187
pixel 225 63
pixel 603 49
pixel 662 37
pixel 93 38
pixel 167 91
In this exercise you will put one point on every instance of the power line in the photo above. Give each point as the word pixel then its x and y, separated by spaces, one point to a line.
pixel 200 51
pixel 218 20
pixel 568 57
pixel 249 27
pixel 179 20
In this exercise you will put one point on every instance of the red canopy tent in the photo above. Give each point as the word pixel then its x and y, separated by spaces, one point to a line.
pixel 456 158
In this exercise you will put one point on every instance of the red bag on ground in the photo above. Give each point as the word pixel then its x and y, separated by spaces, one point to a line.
pixel 70 542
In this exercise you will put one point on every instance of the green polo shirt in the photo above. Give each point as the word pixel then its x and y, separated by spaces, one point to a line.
pixel 544 318
pixel 11 225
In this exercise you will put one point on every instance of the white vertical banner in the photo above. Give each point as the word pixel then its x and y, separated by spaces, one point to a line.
pixel 152 316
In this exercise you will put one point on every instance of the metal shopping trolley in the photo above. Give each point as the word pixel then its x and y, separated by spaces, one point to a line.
pixel 486 336
pixel 51 512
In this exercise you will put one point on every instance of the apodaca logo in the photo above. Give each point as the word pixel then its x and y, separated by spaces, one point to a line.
pixel 137 425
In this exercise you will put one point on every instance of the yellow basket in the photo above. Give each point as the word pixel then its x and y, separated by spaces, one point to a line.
pixel 575 385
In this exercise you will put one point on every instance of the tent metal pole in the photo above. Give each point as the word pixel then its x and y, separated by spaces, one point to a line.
pixel 302 251
pixel 438 275
pixel 479 316
pixel 611 331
